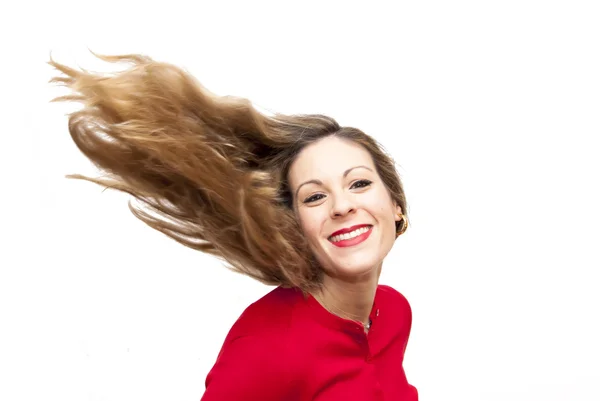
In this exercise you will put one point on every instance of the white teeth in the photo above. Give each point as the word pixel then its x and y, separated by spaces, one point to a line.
pixel 350 235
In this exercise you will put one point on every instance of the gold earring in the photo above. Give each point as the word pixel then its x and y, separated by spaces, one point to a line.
pixel 404 225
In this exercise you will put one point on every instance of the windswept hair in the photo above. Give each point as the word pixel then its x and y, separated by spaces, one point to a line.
pixel 209 171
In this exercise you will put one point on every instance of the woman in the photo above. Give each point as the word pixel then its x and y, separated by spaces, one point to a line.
pixel 293 201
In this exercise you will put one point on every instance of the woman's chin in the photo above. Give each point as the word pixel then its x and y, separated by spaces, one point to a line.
pixel 354 269
pixel 350 263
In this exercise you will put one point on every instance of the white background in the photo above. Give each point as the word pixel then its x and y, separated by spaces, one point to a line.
pixel 490 108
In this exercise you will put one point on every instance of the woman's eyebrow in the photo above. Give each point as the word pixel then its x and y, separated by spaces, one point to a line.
pixel 352 168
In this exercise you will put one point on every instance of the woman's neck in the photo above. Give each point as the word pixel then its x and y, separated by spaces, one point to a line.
pixel 351 300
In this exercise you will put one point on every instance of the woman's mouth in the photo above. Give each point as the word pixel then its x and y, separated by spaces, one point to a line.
pixel 351 238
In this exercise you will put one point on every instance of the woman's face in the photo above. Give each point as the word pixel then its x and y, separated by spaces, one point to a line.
pixel 344 209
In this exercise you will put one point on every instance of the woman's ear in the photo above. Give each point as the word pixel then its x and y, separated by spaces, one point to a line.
pixel 399 213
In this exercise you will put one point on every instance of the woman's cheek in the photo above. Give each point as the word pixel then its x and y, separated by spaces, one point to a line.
pixel 312 229
pixel 307 223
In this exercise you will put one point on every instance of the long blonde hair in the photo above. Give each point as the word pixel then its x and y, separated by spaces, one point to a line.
pixel 209 171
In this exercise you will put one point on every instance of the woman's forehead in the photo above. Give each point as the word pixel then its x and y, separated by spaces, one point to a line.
pixel 328 158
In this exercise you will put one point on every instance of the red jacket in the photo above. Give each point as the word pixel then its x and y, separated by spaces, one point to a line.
pixel 288 347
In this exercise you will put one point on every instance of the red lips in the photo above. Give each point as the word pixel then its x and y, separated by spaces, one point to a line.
pixel 349 229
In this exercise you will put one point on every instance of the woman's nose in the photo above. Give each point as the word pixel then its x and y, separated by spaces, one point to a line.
pixel 341 206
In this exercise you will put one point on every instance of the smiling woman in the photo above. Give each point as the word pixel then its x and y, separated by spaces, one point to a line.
pixel 293 201
pixel 347 213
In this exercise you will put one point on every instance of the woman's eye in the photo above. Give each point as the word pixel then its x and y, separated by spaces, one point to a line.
pixel 361 184
pixel 314 198
pixel 356 185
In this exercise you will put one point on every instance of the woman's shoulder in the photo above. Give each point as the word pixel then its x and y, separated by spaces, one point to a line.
pixel 265 324
pixel 396 314
pixel 271 314
pixel 390 294
pixel 255 358
pixel 389 297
